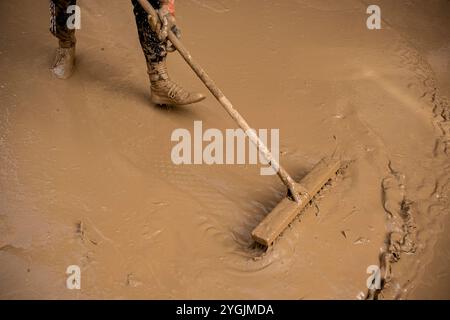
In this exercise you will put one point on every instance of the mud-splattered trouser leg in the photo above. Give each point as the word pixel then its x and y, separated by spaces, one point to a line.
pixel 154 50
pixel 58 22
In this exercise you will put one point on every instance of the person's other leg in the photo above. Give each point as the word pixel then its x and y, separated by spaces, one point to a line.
pixel 163 90
pixel 65 54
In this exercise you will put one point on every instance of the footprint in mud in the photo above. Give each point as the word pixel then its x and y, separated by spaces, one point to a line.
pixel 132 281
pixel 406 236
pixel 401 229
pixel 423 83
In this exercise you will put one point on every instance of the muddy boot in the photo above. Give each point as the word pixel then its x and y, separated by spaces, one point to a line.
pixel 164 91
pixel 64 62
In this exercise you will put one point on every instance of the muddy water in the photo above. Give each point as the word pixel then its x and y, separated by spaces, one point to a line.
pixel 87 179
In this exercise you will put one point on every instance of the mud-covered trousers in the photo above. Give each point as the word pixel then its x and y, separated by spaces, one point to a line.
pixel 154 49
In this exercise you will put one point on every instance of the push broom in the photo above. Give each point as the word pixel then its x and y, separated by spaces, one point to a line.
pixel 299 194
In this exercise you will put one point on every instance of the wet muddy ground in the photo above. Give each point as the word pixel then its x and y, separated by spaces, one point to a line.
pixel 86 176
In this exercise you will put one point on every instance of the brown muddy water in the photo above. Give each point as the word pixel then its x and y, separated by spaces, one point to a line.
pixel 86 176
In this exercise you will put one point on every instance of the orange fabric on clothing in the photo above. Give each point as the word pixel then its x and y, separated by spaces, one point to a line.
pixel 172 6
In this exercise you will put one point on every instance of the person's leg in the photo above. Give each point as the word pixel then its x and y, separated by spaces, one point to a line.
pixel 154 50
pixel 65 55
pixel 163 90
pixel 58 22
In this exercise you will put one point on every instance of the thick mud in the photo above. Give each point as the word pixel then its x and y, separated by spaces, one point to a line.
pixel 86 176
